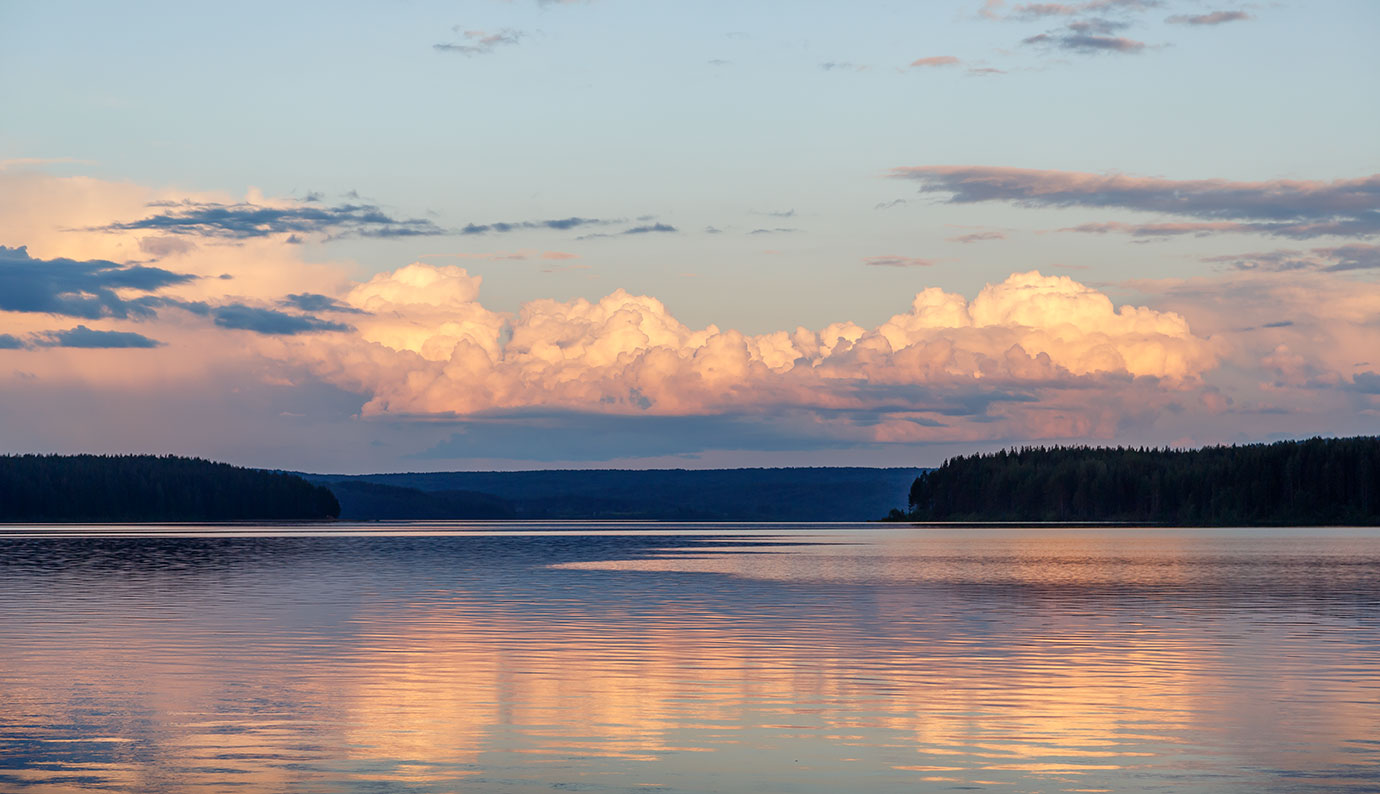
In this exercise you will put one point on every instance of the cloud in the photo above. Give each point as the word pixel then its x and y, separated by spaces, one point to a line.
pixel 654 227
pixel 1174 229
pixel 774 230
pixel 480 42
pixel 1288 208
pixel 977 237
pixel 1086 43
pixel 897 261
pixel 87 289
pixel 934 60
pixel 1028 11
pixel 11 342
pixel 84 337
pixel 1214 18
pixel 312 302
pixel 1356 256
pixel 559 224
pixel 521 254
pixel 270 321
pixel 842 66
pixel 248 220
pixel 429 348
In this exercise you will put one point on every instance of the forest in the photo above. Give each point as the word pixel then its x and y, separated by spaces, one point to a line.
pixel 1316 481
pixel 122 488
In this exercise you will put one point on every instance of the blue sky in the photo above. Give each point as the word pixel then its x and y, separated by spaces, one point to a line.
pixel 739 160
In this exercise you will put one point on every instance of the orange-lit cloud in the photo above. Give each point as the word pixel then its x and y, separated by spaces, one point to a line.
pixel 428 346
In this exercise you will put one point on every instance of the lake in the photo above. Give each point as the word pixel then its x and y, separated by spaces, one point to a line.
pixel 444 657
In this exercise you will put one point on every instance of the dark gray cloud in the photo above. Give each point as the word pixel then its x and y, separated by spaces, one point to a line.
pixel 1356 256
pixel 1289 208
pixel 1366 382
pixel 81 336
pixel 245 220
pixel 1086 43
pixel 312 302
pixel 653 227
pixel 645 229
pixel 559 224
pixel 11 342
pixel 479 42
pixel 73 288
pixel 1214 18
pixel 271 322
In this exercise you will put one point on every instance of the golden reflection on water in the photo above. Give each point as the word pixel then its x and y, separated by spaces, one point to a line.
pixel 863 660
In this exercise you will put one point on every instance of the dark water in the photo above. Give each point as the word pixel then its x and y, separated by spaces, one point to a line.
pixel 443 658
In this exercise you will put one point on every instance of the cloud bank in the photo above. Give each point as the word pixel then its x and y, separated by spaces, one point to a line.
pixel 427 347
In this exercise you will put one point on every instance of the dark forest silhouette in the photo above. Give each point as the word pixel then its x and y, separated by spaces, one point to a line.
pixel 1317 481
pixel 87 488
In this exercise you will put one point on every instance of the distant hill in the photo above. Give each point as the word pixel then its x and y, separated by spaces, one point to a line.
pixel 361 500
pixel 790 494
pixel 127 488
pixel 1290 483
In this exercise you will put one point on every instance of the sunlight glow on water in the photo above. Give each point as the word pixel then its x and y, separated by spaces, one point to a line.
pixel 610 657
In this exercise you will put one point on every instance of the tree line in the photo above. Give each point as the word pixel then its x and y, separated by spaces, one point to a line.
pixel 125 488
pixel 1315 481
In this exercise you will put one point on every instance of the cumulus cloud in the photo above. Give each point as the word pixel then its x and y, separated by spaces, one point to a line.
pixel 429 347
pixel 1214 18
pixel 87 289
pixel 1288 208
pixel 480 42
pixel 245 220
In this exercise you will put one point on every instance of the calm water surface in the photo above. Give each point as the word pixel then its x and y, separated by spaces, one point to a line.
pixel 637 657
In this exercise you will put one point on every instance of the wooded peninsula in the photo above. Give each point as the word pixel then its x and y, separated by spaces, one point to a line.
pixel 124 488
pixel 1290 483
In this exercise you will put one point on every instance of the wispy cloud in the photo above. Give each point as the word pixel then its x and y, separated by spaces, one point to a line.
pixel 1214 18
pixel 558 224
pixel 933 61
pixel 898 261
pixel 480 42
pixel 248 220
pixel 312 302
pixel 1356 256
pixel 81 336
pixel 977 237
pixel 1287 208
pixel 842 66
pixel 270 322
pixel 1072 40
pixel 651 228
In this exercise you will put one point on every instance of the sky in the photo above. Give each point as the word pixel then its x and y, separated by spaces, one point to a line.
pixel 412 236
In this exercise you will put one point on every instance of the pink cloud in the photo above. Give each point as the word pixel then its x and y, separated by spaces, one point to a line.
pixel 935 60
